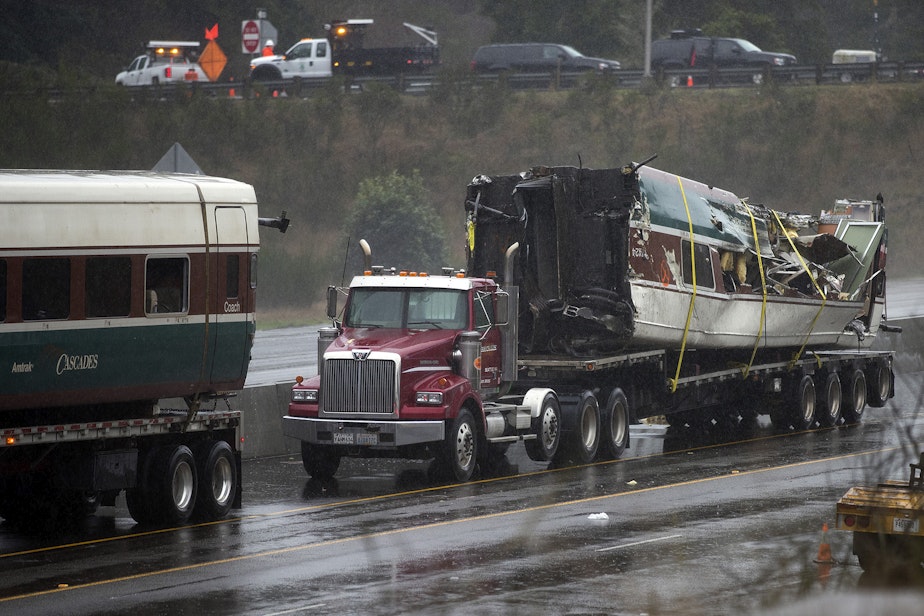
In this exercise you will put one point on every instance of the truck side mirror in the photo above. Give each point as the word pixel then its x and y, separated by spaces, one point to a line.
pixel 332 302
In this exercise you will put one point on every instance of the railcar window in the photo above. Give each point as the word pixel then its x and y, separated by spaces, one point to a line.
pixel 2 289
pixel 233 270
pixel 108 287
pixel 704 277
pixel 166 283
pixel 46 289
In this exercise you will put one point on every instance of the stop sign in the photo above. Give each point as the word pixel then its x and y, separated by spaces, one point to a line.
pixel 250 36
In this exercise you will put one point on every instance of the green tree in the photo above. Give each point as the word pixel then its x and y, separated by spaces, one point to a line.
pixel 394 215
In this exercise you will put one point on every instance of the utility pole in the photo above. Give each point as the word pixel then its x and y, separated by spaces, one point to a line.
pixel 648 38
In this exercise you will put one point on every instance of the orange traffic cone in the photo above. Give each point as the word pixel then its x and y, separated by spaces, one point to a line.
pixel 689 81
pixel 824 550
pixel 275 93
pixel 231 93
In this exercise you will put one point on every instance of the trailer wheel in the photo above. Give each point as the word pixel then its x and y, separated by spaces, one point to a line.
pixel 137 498
pixel 217 471
pixel 547 428
pixel 802 411
pixel 831 406
pixel 461 446
pixel 320 462
pixel 173 474
pixel 615 426
pixel 855 397
pixel 879 378
pixel 582 430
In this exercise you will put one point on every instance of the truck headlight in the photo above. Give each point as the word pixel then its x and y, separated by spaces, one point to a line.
pixel 429 398
pixel 305 395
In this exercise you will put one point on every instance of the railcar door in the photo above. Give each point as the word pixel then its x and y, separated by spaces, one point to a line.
pixel 231 309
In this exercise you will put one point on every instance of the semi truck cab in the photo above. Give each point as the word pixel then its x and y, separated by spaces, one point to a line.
pixel 413 354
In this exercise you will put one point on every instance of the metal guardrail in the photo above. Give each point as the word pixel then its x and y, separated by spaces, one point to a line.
pixel 822 74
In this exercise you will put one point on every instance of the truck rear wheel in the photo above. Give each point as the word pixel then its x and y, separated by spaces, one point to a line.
pixel 319 462
pixel 831 402
pixel 855 397
pixel 547 428
pixel 879 378
pixel 582 430
pixel 461 446
pixel 615 426
pixel 217 475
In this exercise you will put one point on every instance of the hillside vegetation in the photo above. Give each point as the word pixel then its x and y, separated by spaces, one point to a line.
pixel 791 148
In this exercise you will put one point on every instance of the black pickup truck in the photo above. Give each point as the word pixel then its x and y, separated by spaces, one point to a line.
pixel 690 49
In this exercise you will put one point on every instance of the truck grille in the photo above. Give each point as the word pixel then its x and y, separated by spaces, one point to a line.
pixel 351 386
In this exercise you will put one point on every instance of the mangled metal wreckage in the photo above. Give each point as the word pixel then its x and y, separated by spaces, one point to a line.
pixel 637 258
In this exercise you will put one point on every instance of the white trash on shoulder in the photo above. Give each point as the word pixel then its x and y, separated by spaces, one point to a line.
pixel 598 516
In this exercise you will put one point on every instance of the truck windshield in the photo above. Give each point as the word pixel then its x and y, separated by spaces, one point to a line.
pixel 408 308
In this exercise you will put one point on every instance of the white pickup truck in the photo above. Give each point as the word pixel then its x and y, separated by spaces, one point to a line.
pixel 164 62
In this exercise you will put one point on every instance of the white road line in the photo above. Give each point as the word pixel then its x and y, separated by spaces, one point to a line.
pixel 629 545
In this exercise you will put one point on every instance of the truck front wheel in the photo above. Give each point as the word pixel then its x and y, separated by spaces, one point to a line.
pixel 547 428
pixel 461 446
pixel 319 462
pixel 266 73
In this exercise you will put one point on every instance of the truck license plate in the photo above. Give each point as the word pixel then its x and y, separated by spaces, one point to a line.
pixel 366 438
pixel 358 438
pixel 343 438
pixel 904 525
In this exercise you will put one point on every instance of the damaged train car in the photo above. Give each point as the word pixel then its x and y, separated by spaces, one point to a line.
pixel 636 258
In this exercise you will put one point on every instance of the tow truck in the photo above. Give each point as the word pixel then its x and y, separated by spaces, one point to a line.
pixel 163 62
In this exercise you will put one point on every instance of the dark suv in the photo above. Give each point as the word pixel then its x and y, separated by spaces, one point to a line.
pixel 688 48
pixel 537 57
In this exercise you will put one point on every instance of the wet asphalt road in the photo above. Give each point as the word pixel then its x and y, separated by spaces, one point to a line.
pixel 695 523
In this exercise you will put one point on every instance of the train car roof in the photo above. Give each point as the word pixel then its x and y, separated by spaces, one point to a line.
pixel 63 210
pixel 80 187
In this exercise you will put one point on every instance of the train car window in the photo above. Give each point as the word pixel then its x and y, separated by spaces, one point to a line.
pixel 46 289
pixel 2 289
pixel 108 287
pixel 233 272
pixel 704 278
pixel 166 284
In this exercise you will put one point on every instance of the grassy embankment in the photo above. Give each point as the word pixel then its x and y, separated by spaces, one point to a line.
pixel 792 148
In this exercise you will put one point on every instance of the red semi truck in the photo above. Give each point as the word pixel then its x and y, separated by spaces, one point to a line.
pixel 580 320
